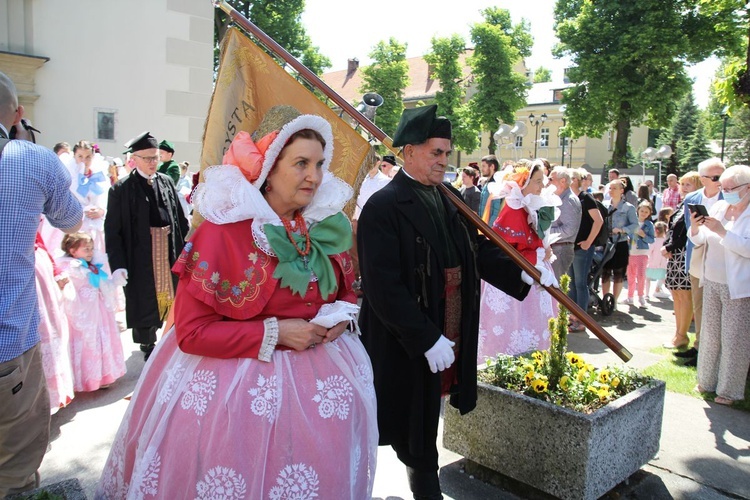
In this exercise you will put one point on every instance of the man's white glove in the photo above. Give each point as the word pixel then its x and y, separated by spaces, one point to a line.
pixel 547 278
pixel 120 277
pixel 440 356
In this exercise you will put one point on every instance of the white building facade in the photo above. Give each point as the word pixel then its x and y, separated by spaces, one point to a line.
pixel 106 70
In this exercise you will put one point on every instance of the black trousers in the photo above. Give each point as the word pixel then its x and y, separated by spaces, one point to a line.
pixel 145 335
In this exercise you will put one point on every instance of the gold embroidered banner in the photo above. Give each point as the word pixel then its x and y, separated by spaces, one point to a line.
pixel 248 84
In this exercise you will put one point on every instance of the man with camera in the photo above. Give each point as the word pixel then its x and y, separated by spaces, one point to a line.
pixel 33 182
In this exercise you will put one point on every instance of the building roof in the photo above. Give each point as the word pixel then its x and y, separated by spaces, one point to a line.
pixel 347 83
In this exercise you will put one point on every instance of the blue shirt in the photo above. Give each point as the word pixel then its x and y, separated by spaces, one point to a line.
pixel 33 181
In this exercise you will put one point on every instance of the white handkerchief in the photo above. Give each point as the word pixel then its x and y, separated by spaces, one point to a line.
pixel 331 315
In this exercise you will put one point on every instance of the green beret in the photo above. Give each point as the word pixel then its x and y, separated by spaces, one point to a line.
pixel 419 124
pixel 167 146
pixel 142 141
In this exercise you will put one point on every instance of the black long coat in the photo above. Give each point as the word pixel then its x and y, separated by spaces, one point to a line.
pixel 127 233
pixel 402 313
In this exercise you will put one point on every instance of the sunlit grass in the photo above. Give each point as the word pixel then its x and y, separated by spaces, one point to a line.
pixel 682 379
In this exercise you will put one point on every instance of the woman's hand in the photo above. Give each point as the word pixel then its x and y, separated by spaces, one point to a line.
pixel 641 233
pixel 300 334
pixel 666 253
pixel 547 253
pixel 695 222
pixel 335 332
pixel 714 225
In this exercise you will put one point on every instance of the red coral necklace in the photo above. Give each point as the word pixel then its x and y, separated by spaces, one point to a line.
pixel 302 228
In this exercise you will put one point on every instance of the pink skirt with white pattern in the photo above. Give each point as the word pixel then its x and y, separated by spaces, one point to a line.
pixel 302 426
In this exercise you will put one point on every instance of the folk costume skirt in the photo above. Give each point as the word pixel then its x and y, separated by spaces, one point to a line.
pixel 301 426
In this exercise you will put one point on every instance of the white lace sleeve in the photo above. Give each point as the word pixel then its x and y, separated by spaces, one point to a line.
pixel 270 339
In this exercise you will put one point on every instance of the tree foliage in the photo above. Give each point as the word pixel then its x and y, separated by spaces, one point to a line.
pixel 498 46
pixel 282 21
pixel 542 75
pixel 629 61
pixel 696 149
pixel 445 61
pixel 680 133
pixel 737 147
pixel 388 75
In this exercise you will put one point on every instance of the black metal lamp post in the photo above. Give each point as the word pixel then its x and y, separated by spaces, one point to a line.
pixel 536 122
pixel 562 110
pixel 725 117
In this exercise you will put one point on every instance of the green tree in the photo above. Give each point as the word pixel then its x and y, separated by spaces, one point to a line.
pixel 282 21
pixel 447 69
pixel 388 75
pixel 737 146
pixel 697 149
pixel 680 133
pixel 542 75
pixel 629 61
pixel 498 46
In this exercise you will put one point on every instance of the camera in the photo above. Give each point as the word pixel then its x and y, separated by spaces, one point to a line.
pixel 27 127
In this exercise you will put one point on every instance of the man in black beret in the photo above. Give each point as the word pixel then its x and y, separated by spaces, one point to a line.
pixel 168 166
pixel 144 232
pixel 421 264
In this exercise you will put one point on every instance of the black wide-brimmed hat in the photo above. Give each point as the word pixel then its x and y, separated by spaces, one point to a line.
pixel 419 124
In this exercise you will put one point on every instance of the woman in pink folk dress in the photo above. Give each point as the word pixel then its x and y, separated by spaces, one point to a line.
pixel 262 389
pixel 53 329
pixel 90 301
pixel 507 326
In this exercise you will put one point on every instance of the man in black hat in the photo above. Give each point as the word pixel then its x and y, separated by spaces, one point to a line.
pixel 168 166
pixel 421 263
pixel 144 231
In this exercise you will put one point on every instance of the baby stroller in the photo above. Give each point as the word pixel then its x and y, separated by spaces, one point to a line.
pixel 605 304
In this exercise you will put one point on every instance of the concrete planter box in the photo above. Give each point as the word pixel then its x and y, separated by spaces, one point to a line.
pixel 561 452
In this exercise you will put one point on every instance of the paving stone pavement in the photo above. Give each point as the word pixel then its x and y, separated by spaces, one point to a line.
pixel 704 453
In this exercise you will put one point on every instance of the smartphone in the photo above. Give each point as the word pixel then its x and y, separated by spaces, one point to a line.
pixel 698 210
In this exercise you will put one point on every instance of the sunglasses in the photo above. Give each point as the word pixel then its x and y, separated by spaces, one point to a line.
pixel 714 178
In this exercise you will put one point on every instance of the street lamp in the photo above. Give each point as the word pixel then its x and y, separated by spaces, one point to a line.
pixel 562 110
pixel 536 122
pixel 725 117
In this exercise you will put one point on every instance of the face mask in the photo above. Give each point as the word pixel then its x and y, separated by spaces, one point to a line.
pixel 732 198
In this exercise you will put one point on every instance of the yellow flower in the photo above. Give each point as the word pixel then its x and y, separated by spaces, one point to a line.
pixel 537 355
pixel 572 357
pixel 565 383
pixel 539 385
pixel 529 377
pixel 582 375
pixel 604 376
pixel 615 381
pixel 603 392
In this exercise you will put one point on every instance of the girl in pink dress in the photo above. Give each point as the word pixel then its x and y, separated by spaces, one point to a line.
pixel 507 326
pixel 53 328
pixel 262 389
pixel 90 303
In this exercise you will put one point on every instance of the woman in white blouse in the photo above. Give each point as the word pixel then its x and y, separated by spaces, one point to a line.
pixel 724 356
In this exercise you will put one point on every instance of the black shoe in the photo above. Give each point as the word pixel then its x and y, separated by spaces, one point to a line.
pixel 424 485
pixel 691 362
pixel 690 353
pixel 147 350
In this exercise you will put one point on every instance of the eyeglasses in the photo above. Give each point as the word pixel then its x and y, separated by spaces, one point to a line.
pixel 148 159
pixel 714 178
pixel 732 190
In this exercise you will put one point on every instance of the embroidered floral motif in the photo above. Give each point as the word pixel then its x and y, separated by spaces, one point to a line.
pixel 113 485
pixel 173 375
pixel 298 482
pixel 199 392
pixel 221 483
pixel 334 397
pixel 497 301
pixel 223 288
pixel 364 375
pixel 522 340
pixel 266 401
pixel 149 478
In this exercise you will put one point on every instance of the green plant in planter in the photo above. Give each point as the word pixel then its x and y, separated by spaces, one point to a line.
pixel 561 377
